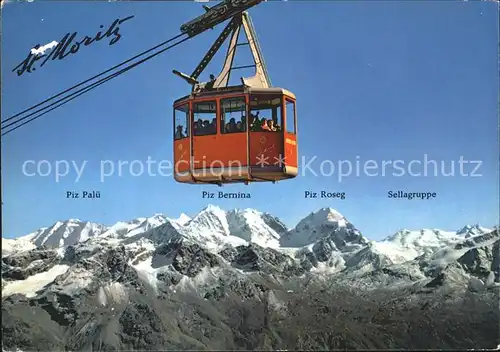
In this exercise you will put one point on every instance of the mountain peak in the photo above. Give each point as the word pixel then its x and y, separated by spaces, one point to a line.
pixel 325 223
pixel 212 208
pixel 468 227
pixel 326 215
pixel 68 232
pixel 472 230
pixel 211 217
pixel 248 210
pixel 328 211
pixel 70 221
pixel 183 219
pixel 158 217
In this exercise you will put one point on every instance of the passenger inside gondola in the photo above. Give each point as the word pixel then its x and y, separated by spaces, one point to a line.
pixel 210 84
pixel 243 124
pixel 204 127
pixel 213 126
pixel 178 132
pixel 254 121
pixel 260 125
pixel 264 125
pixel 272 126
pixel 231 126
pixel 198 127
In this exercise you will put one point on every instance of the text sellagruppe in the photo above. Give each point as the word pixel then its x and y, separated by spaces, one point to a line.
pixel 411 195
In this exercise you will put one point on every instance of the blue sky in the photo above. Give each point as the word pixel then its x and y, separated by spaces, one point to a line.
pixel 374 81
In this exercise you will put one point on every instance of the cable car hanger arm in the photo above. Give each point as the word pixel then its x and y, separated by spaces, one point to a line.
pixel 261 78
pixel 193 78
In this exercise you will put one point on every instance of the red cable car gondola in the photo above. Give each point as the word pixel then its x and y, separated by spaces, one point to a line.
pixel 227 134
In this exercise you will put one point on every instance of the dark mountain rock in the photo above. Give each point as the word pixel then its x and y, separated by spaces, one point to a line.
pixel 266 260
pixel 21 266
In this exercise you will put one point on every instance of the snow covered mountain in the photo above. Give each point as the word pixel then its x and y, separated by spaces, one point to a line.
pixel 406 245
pixel 72 267
pixel 324 224
pixel 67 233
pixel 326 237
pixel 20 244
pixel 472 230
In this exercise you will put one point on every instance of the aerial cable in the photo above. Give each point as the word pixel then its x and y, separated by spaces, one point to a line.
pixel 98 75
pixel 85 90
pixel 98 82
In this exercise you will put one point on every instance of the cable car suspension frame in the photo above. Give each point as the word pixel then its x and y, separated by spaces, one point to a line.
pixel 261 78
pixel 253 90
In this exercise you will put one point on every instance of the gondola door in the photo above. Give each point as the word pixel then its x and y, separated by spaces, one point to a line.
pixel 233 135
pixel 290 135
pixel 204 140
pixel 182 142
pixel 266 136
